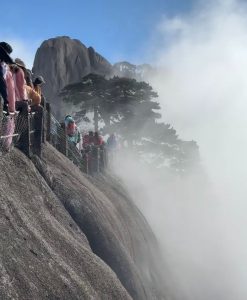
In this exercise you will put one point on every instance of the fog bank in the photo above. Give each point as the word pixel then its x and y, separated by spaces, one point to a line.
pixel 200 218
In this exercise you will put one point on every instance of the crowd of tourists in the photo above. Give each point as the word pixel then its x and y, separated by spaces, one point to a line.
pixel 21 92
pixel 84 142
pixel 17 86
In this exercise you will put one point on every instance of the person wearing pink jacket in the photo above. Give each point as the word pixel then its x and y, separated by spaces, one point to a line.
pixel 8 125
pixel 10 90
pixel 20 82
pixel 18 71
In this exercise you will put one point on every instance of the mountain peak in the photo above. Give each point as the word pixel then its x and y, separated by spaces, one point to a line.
pixel 62 60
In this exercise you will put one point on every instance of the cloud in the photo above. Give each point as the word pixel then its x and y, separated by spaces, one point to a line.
pixel 200 219
pixel 203 83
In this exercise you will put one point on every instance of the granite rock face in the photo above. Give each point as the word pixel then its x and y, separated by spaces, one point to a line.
pixel 116 230
pixel 63 60
pixel 43 253
pixel 64 235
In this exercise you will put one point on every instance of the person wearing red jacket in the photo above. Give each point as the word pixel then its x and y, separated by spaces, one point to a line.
pixel 90 138
pixel 85 141
pixel 98 140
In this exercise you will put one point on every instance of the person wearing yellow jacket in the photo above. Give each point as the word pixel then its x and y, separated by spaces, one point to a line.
pixel 33 96
pixel 37 84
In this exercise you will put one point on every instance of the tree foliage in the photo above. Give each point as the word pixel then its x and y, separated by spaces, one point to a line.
pixel 116 99
pixel 128 108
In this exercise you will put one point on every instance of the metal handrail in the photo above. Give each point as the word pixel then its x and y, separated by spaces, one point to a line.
pixel 54 133
pixel 7 136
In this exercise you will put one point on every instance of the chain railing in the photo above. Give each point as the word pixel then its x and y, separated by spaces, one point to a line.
pixel 8 135
pixel 28 129
pixel 17 129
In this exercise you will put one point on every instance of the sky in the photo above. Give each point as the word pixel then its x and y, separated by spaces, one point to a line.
pixel 119 30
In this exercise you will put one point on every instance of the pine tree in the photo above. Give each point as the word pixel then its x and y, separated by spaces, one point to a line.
pixel 128 108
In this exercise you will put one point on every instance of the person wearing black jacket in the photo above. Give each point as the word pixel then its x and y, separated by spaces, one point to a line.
pixel 5 50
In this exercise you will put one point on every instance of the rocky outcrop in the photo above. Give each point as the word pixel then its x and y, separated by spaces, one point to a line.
pixel 67 236
pixel 63 60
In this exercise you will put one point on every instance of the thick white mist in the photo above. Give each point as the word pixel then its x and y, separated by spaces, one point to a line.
pixel 200 219
pixel 203 87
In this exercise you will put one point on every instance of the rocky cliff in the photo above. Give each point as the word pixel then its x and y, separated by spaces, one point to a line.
pixel 68 236
pixel 63 60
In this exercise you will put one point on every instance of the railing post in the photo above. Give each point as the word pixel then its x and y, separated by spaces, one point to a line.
pixel 95 159
pixel 43 103
pixel 48 122
pixel 23 121
pixel 102 160
pixel 64 141
pixel 1 114
pixel 84 163
pixel 27 137
pixel 36 124
pixel 54 137
pixel 106 157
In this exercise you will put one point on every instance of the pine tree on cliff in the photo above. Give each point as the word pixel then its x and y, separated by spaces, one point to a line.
pixel 134 107
pixel 123 103
pixel 127 107
pixel 88 94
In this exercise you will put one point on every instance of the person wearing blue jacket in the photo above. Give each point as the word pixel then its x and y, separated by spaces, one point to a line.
pixel 73 134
